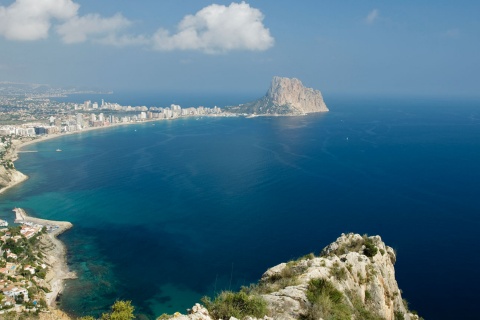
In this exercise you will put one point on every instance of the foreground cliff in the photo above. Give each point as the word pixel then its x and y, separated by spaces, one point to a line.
pixel 285 97
pixel 353 278
pixel 9 176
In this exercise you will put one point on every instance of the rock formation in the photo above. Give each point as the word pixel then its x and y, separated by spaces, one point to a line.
pixel 356 275
pixel 285 97
pixel 10 177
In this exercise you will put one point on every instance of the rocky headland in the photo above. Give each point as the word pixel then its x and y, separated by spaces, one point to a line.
pixel 9 176
pixel 285 97
pixel 352 278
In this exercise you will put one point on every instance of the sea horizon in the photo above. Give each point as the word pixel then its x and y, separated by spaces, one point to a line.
pixel 183 194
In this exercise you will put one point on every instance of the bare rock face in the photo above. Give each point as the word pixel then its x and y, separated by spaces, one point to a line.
pixel 285 97
pixel 359 268
pixel 368 276
pixel 10 177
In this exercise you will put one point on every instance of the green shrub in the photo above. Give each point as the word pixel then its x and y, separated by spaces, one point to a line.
pixel 309 256
pixel 326 301
pixel 318 287
pixel 239 305
pixel 368 296
pixel 370 248
pixel 371 273
pixel 285 278
pixel 361 311
pixel 398 315
pixel 121 310
pixel 338 272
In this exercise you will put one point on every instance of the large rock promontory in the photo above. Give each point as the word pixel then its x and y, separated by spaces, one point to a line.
pixel 285 97
pixel 353 278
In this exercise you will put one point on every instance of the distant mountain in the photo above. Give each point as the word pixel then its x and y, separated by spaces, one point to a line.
pixel 285 97
pixel 35 89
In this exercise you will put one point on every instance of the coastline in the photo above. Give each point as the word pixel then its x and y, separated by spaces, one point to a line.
pixel 55 254
pixel 18 145
pixel 55 250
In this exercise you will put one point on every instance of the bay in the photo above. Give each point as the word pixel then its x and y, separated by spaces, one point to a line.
pixel 165 212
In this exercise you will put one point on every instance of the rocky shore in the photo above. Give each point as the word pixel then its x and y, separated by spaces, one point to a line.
pixel 55 253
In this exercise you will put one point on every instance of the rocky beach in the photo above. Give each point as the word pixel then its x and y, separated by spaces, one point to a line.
pixel 55 251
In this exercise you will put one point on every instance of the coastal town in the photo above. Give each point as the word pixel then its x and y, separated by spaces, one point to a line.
pixel 29 113
pixel 29 264
pixel 30 117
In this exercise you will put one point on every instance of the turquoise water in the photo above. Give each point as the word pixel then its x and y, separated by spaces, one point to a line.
pixel 166 212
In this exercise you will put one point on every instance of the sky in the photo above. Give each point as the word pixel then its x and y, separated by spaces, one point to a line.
pixel 339 47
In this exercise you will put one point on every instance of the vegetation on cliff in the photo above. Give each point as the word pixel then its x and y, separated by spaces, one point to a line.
pixel 352 278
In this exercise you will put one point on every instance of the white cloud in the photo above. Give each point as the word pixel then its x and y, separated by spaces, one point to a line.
pixel 31 19
pixel 213 29
pixel 78 29
pixel 372 16
pixel 28 20
pixel 218 28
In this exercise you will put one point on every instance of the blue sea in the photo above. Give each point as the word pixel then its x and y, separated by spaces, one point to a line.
pixel 166 212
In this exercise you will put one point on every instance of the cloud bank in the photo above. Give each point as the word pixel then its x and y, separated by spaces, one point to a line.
pixel 218 28
pixel 213 29
pixel 31 19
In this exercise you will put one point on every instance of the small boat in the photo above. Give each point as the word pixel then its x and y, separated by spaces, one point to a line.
pixel 59 150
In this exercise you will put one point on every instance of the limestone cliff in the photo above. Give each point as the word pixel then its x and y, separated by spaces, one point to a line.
pixel 9 176
pixel 285 97
pixel 353 278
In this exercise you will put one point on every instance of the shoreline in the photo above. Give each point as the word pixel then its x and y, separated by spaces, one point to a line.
pixel 55 254
pixel 19 144
pixel 56 249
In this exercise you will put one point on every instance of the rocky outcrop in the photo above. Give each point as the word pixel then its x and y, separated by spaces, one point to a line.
pixel 356 272
pixel 285 97
pixel 10 177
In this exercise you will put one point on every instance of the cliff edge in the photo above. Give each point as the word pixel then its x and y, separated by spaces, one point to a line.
pixel 353 278
pixel 9 176
pixel 285 97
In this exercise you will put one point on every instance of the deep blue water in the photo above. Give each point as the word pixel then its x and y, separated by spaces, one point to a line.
pixel 166 212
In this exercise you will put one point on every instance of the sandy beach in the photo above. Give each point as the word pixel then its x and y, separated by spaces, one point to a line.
pixel 55 253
